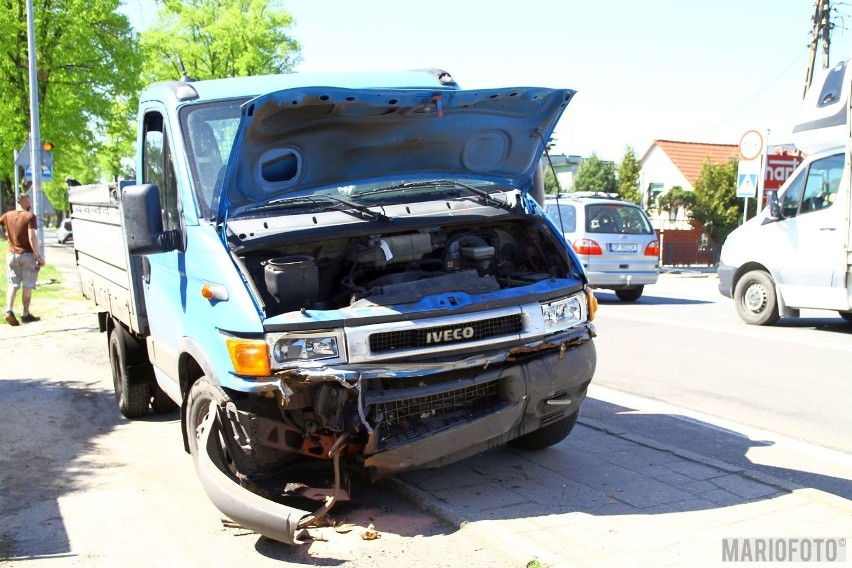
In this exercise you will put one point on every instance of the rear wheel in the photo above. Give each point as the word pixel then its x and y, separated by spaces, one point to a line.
pixel 547 436
pixel 132 395
pixel 754 296
pixel 630 294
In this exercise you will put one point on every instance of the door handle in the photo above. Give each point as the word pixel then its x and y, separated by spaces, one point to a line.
pixel 828 228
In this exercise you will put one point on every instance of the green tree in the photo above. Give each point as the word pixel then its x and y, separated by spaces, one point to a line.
pixel 87 58
pixel 219 38
pixel 675 198
pixel 595 174
pixel 628 176
pixel 551 185
pixel 716 203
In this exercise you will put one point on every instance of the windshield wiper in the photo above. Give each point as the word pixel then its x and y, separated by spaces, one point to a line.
pixel 379 216
pixel 324 202
pixel 439 183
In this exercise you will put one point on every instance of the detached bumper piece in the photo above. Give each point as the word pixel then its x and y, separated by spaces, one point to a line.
pixel 249 510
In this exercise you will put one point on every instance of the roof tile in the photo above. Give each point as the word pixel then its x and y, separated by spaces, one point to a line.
pixel 688 157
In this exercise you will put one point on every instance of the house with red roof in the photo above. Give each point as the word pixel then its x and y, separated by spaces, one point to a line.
pixel 668 163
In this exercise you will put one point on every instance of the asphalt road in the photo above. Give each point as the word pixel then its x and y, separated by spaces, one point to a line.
pixel 771 398
pixel 683 343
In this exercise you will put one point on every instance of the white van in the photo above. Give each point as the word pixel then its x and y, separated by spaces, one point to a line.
pixel 795 254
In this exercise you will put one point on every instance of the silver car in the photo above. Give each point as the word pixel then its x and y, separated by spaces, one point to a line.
pixel 613 238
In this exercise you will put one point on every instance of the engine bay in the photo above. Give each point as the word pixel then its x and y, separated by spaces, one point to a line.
pixel 403 265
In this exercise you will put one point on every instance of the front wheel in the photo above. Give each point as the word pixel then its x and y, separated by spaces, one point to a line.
pixel 630 294
pixel 547 436
pixel 202 395
pixel 132 395
pixel 754 296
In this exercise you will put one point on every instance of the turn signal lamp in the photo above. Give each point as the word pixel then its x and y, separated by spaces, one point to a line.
pixel 592 302
pixel 47 146
pixel 249 357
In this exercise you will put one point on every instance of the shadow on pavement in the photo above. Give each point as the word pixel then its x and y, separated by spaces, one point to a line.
pixel 707 440
pixel 597 471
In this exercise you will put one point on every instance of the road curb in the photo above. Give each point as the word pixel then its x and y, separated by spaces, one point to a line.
pixel 450 515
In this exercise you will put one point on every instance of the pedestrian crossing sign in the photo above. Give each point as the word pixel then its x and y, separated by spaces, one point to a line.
pixel 746 185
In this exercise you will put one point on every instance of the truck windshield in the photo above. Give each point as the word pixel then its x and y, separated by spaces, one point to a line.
pixel 209 131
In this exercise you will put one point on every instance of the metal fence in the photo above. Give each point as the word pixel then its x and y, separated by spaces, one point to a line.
pixel 689 254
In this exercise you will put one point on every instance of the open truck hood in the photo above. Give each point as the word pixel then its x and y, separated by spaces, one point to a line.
pixel 293 142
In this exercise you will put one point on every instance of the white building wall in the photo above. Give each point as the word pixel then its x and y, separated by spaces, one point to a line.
pixel 657 168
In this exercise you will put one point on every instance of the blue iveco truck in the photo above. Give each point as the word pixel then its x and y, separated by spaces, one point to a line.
pixel 344 269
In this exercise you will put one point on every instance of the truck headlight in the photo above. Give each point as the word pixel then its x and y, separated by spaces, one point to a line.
pixel 564 313
pixel 289 348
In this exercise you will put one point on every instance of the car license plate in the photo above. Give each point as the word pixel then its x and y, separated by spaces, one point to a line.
pixel 623 247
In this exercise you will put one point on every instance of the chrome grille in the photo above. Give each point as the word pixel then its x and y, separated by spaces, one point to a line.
pixel 385 342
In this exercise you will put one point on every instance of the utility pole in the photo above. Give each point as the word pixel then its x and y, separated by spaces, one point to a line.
pixel 821 29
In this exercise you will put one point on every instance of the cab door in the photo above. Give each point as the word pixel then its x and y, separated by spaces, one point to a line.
pixel 811 259
pixel 164 274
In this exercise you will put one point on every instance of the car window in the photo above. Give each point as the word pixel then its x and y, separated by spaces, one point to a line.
pixel 814 189
pixel 616 218
pixel 563 214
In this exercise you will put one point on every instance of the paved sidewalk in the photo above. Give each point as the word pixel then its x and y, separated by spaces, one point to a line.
pixel 610 498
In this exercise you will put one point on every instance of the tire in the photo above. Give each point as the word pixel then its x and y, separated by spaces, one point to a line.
pixel 259 459
pixel 201 395
pixel 754 297
pixel 630 294
pixel 132 396
pixel 547 436
pixel 846 315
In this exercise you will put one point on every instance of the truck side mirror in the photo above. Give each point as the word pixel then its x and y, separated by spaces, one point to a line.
pixel 143 221
pixel 774 205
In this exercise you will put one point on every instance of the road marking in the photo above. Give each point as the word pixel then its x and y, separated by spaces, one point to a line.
pixel 745 331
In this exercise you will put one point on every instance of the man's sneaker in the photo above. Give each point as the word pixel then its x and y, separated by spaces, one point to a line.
pixel 29 318
pixel 11 319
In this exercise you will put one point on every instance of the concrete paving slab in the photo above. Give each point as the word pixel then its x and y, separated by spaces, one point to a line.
pixel 577 504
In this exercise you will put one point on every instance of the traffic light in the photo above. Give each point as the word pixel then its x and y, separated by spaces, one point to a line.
pixel 47 146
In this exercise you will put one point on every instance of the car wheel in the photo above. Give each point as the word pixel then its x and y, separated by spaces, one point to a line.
pixel 754 296
pixel 630 294
pixel 132 395
pixel 201 395
pixel 548 435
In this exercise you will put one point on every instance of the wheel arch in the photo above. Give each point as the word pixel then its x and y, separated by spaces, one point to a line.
pixel 192 365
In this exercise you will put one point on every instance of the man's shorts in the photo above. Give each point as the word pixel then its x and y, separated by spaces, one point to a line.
pixel 22 269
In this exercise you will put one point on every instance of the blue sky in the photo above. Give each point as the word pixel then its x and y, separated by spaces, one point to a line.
pixel 690 70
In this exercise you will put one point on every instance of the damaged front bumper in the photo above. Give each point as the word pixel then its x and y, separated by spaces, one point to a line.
pixel 423 424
